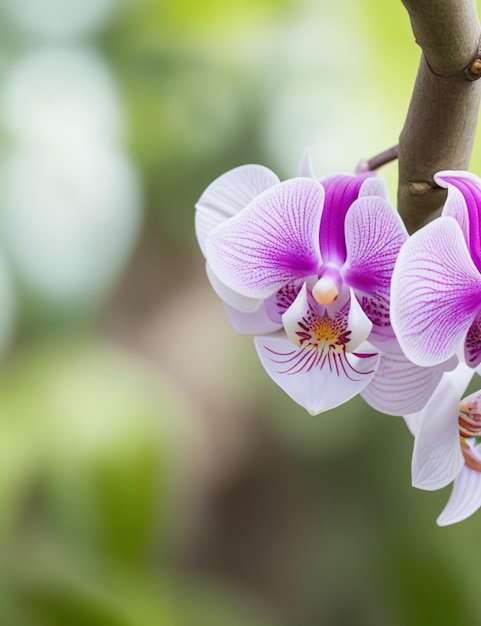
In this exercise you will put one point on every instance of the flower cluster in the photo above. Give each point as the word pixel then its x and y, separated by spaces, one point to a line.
pixel 340 301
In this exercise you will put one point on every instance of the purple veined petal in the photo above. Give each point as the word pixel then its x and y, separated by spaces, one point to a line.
pixel 274 240
pixel 310 378
pixel 230 297
pixel 227 195
pixel 435 293
pixel 437 457
pixel 374 236
pixel 470 187
pixel 277 304
pixel 305 166
pixel 341 191
pixel 255 323
pixel 465 498
pixel 455 205
pixel 472 343
pixel 399 387
pixel 374 186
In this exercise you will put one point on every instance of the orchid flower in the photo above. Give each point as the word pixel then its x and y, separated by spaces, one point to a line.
pixel 446 434
pixel 436 285
pixel 305 266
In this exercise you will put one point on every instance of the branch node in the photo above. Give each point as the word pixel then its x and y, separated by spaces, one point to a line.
pixel 419 188
pixel 473 69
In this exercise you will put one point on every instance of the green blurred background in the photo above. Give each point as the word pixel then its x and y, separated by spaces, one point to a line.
pixel 150 472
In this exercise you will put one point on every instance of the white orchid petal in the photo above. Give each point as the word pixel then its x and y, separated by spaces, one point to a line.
pixel 231 297
pixel 412 422
pixel 255 323
pixel 435 293
pixel 314 382
pixel 227 195
pixel 358 323
pixel 400 387
pixel 437 457
pixel 465 498
pixel 273 241
pixel 305 166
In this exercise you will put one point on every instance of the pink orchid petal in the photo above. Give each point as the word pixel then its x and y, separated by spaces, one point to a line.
pixel 437 457
pixel 399 387
pixel 455 205
pixel 436 292
pixel 374 186
pixel 255 323
pixel 465 498
pixel 231 297
pixel 315 382
pixel 374 236
pixel 470 187
pixel 341 191
pixel 272 241
pixel 227 195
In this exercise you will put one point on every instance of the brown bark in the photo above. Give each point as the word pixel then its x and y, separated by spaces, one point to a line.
pixel 441 122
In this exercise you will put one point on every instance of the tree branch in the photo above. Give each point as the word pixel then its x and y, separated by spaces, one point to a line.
pixel 441 121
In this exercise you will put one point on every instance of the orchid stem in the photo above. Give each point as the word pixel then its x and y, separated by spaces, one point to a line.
pixel 377 161
pixel 440 126
pixel 381 159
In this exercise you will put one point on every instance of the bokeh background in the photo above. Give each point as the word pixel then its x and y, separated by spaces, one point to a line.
pixel 150 472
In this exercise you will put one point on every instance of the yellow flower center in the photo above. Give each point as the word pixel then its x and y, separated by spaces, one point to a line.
pixel 321 332
pixel 325 329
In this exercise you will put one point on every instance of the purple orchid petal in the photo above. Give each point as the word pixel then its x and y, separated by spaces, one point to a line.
pixel 455 205
pixel 374 186
pixel 470 187
pixel 255 323
pixel 399 387
pixel 465 498
pixel 230 297
pixel 374 236
pixel 227 195
pixel 273 241
pixel 316 381
pixel 305 166
pixel 436 292
pixel 472 344
pixel 341 191
pixel 437 457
